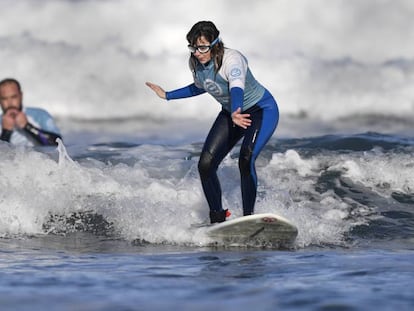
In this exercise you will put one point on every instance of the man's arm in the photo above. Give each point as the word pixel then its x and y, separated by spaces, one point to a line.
pixel 5 135
pixel 43 137
pixel 7 124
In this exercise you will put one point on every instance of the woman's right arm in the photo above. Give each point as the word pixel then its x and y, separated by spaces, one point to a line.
pixel 187 91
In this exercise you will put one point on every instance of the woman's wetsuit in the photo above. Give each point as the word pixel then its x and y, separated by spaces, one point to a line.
pixel 223 136
pixel 234 87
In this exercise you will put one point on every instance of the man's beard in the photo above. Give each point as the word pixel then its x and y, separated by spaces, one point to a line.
pixel 20 108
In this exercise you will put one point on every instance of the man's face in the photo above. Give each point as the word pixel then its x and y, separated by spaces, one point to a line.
pixel 10 97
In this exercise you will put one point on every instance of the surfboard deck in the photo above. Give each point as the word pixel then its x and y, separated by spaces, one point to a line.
pixel 261 229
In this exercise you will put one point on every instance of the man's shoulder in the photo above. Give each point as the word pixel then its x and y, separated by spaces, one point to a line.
pixel 41 118
pixel 35 111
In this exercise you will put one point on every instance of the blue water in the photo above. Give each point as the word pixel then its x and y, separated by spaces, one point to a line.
pixel 85 273
pixel 105 221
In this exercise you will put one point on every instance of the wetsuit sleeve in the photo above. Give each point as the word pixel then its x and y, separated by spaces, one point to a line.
pixel 236 97
pixel 43 137
pixel 235 70
pixel 5 135
pixel 188 91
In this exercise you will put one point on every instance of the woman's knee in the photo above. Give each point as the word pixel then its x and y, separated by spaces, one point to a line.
pixel 205 164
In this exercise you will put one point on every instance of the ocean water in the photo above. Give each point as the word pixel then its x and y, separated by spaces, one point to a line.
pixel 104 221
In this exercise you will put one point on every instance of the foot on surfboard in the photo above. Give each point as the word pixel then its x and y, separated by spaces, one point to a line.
pixel 219 216
pixel 208 223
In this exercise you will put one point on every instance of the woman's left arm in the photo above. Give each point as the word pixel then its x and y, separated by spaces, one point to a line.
pixel 239 118
pixel 237 69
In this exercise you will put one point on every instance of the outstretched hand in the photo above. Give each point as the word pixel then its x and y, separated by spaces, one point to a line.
pixel 241 119
pixel 157 89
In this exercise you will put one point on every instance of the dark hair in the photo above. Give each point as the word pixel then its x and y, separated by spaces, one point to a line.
pixel 209 31
pixel 11 80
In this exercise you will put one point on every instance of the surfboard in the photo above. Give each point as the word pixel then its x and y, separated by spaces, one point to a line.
pixel 257 230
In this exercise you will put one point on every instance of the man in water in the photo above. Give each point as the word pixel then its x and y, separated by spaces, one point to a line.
pixel 24 126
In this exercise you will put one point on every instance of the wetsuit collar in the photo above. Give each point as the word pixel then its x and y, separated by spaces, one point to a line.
pixel 208 64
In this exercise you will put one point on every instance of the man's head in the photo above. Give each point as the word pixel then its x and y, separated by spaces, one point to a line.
pixel 11 95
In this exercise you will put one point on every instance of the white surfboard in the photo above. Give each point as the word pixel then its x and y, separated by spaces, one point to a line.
pixel 257 230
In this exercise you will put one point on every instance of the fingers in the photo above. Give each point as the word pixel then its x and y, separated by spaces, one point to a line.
pixel 21 120
pixel 244 123
pixel 157 89
pixel 151 85
pixel 8 122
pixel 244 115
pixel 241 119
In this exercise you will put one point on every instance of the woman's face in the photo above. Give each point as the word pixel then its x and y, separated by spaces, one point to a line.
pixel 202 57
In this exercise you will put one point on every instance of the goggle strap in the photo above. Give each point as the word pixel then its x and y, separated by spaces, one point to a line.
pixel 215 41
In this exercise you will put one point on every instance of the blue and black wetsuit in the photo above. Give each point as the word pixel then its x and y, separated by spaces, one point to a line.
pixel 233 87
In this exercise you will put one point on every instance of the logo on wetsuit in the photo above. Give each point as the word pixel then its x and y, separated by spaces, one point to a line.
pixel 235 72
pixel 212 87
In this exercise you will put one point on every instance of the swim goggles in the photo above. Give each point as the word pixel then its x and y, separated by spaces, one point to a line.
pixel 203 48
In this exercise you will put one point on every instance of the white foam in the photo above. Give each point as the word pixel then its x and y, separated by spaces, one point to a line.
pixel 290 181
pixel 141 202
pixel 157 196
pixel 379 171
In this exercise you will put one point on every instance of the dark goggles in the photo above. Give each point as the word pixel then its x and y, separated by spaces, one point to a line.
pixel 203 48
